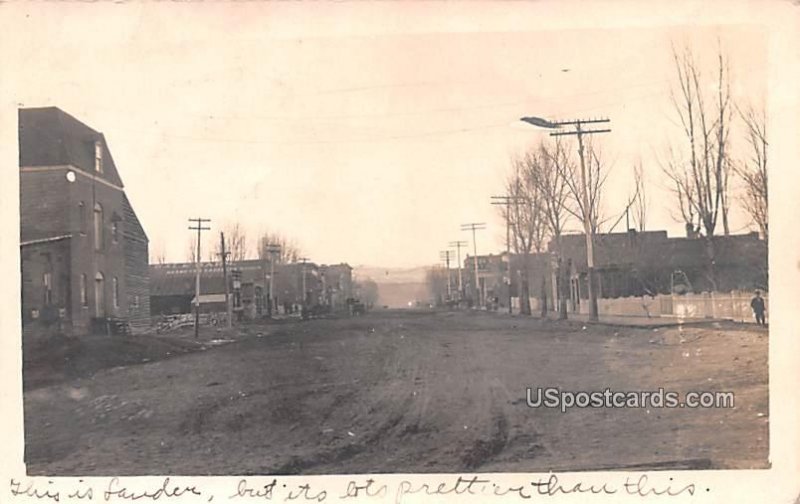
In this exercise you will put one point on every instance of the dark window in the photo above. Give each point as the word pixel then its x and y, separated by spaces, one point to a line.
pixel 84 297
pixel 98 227
pixel 98 157
pixel 82 217
pixel 47 282
pixel 115 293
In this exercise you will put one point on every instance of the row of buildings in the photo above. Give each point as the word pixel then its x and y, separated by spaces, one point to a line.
pixel 628 264
pixel 293 285
pixel 84 253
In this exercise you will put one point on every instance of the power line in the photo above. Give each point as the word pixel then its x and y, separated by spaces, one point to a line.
pixel 458 245
pixel 507 200
pixel 587 225
pixel 475 226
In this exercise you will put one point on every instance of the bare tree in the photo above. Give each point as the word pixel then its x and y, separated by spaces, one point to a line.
pixel 526 216
pixel 289 250
pixel 555 192
pixel 236 242
pixel 436 282
pixel 753 170
pixel 159 256
pixel 638 204
pixel 596 175
pixel 700 171
pixel 191 250
pixel 367 290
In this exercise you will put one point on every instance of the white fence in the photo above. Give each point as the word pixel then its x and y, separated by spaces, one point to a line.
pixel 715 305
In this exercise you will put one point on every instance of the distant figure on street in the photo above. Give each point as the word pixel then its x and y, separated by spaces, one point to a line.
pixel 757 304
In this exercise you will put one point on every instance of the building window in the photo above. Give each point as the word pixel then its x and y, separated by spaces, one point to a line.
pixel 115 231
pixel 98 157
pixel 47 282
pixel 135 302
pixel 98 227
pixel 82 217
pixel 84 297
pixel 99 295
pixel 115 293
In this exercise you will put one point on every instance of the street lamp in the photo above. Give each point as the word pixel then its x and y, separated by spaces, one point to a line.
pixel 539 122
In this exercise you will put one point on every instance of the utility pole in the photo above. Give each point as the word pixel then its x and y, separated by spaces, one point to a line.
pixel 507 200
pixel 272 249
pixel 474 226
pixel 303 260
pixel 445 255
pixel 224 255
pixel 199 227
pixel 587 210
pixel 458 245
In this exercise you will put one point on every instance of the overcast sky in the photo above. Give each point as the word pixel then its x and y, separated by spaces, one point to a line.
pixel 368 133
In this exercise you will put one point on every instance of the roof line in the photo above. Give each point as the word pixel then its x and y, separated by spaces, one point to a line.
pixel 45 240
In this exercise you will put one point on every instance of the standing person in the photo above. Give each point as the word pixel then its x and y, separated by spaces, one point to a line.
pixel 757 304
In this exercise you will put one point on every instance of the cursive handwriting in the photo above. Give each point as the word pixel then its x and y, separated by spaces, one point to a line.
pixel 552 487
pixel 368 489
pixel 115 490
pixel 304 492
pixel 30 490
pixel 243 489
pixel 642 489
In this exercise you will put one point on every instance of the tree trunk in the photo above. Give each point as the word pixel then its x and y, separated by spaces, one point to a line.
pixel 543 299
pixel 524 290
pixel 562 291
pixel 711 272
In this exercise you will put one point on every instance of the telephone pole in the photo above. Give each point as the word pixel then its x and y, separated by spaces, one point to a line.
pixel 199 227
pixel 458 245
pixel 445 255
pixel 304 260
pixel 475 226
pixel 224 255
pixel 272 249
pixel 587 210
pixel 507 200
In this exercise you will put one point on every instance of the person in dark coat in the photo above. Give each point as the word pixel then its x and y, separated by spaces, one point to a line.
pixel 757 304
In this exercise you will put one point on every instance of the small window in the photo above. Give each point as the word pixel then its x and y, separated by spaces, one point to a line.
pixel 98 157
pixel 82 217
pixel 115 231
pixel 98 227
pixel 84 297
pixel 47 282
pixel 115 287
pixel 135 302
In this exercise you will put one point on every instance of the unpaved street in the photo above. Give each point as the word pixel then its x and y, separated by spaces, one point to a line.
pixel 408 392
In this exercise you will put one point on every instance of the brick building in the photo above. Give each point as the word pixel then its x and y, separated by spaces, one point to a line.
pixel 502 274
pixel 650 262
pixel 173 286
pixel 626 264
pixel 84 252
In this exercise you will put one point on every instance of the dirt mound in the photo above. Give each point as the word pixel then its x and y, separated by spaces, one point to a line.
pixel 64 359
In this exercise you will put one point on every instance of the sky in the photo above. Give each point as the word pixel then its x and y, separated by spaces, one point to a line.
pixel 367 133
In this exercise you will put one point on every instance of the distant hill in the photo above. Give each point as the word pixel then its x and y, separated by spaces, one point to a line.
pixel 391 275
pixel 397 287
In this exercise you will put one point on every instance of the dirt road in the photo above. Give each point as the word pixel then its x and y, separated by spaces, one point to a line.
pixel 408 392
